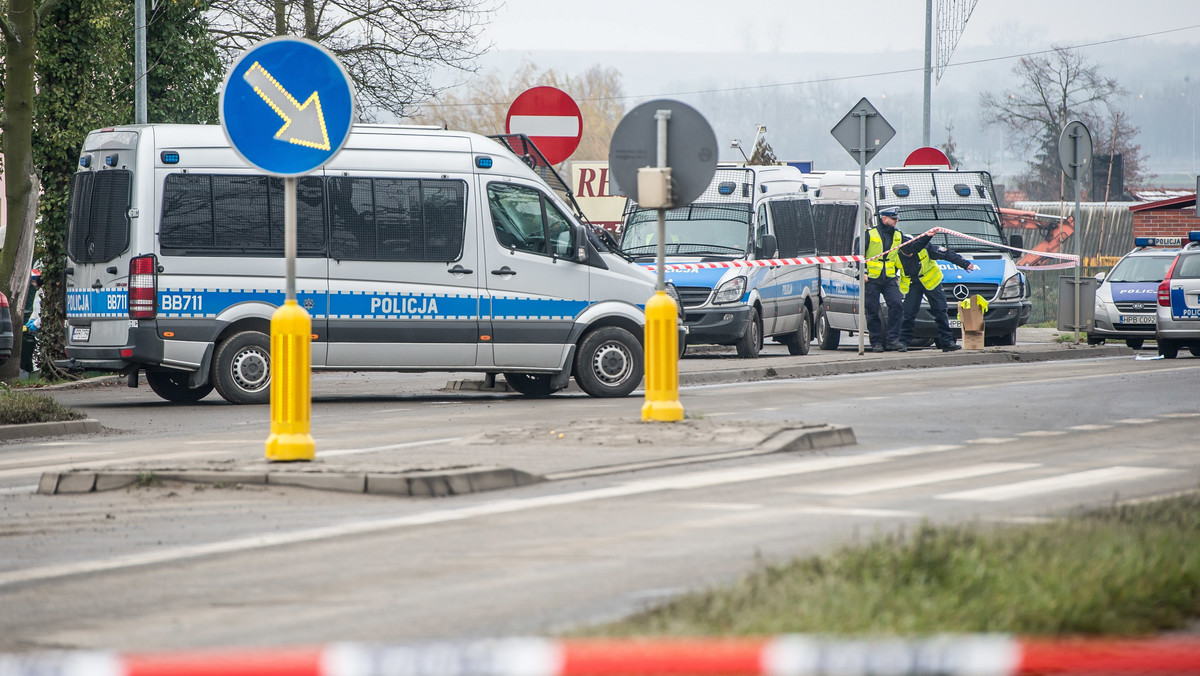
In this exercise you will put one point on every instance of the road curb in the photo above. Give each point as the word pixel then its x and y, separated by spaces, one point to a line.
pixel 420 483
pixel 873 364
pixel 50 429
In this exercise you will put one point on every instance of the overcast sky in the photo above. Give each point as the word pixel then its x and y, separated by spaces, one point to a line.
pixel 823 25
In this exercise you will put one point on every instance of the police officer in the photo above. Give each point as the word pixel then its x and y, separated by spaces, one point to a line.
pixel 883 279
pixel 33 321
pixel 920 277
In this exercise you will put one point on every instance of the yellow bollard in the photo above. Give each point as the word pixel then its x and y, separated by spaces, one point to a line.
pixel 662 360
pixel 291 395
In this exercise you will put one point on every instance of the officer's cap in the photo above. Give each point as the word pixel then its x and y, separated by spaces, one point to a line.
pixel 890 212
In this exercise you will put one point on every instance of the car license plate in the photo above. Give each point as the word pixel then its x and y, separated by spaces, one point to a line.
pixel 80 334
pixel 956 323
pixel 1137 319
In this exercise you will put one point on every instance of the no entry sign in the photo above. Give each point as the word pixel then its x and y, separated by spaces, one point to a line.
pixel 550 118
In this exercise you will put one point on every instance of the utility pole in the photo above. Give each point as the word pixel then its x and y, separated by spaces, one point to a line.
pixel 139 61
pixel 928 71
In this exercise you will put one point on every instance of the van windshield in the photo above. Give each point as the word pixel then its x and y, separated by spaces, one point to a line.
pixel 720 231
pixel 975 221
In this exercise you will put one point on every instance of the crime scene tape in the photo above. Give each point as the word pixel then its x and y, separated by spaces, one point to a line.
pixel 810 260
pixel 786 655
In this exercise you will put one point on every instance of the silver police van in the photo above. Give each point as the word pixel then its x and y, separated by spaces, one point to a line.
pixel 418 250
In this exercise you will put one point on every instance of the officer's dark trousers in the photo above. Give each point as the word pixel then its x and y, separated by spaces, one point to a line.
pixel 889 288
pixel 937 308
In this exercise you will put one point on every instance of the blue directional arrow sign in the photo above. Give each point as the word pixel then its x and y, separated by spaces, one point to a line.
pixel 287 106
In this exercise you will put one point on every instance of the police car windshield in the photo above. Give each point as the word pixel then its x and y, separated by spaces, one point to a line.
pixel 978 222
pixel 1140 269
pixel 720 231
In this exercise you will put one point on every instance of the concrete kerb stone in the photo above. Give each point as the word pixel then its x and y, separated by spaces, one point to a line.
pixel 50 429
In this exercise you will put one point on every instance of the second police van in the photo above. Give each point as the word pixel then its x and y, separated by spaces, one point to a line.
pixel 747 213
pixel 418 250
pixel 928 197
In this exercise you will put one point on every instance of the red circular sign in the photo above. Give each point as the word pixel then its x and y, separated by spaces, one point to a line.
pixel 927 157
pixel 550 118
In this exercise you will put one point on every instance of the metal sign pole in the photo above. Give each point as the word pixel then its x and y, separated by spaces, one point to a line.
pixel 289 234
pixel 660 284
pixel 862 227
pixel 1078 235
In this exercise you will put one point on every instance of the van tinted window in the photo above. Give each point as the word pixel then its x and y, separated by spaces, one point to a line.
pixel 524 219
pixel 793 222
pixel 99 222
pixel 238 214
pixel 404 220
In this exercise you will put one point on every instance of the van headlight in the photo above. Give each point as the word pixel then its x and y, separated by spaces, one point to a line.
pixel 731 291
pixel 1013 287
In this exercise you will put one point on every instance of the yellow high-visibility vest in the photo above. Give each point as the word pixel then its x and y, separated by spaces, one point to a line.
pixel 888 265
pixel 930 274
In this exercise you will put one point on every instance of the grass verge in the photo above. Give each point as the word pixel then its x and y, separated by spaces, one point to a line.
pixel 1127 570
pixel 25 407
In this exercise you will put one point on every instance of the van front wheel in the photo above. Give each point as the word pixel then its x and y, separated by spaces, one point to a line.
pixel 173 386
pixel 242 368
pixel 609 362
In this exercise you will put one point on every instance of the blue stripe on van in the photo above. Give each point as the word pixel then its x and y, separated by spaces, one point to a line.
pixel 208 303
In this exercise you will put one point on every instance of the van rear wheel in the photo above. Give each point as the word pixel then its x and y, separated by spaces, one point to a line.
pixel 609 362
pixel 173 386
pixel 801 340
pixel 242 368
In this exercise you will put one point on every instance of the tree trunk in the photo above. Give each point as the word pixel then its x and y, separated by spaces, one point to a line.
pixel 20 178
pixel 280 17
pixel 310 21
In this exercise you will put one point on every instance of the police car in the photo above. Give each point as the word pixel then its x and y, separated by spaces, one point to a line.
pixel 1126 299
pixel 1179 302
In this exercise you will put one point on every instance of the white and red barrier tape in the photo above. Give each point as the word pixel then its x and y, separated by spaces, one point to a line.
pixel 818 260
pixel 794 655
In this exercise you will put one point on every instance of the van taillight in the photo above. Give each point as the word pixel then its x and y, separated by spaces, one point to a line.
pixel 143 287
pixel 3 300
pixel 1164 287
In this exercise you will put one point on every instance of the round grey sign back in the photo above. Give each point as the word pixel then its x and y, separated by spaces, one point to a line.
pixel 691 149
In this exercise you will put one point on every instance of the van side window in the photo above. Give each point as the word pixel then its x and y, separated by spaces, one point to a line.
pixel 397 219
pixel 794 230
pixel 525 220
pixel 238 214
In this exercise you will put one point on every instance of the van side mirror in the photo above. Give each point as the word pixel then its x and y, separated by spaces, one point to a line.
pixel 1016 241
pixel 579 244
pixel 767 246
pixel 1100 276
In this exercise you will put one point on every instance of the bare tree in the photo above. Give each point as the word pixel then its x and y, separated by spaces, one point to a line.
pixel 391 49
pixel 1052 89
pixel 482 106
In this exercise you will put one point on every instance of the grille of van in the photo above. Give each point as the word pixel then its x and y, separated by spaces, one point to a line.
pixel 693 296
pixel 988 291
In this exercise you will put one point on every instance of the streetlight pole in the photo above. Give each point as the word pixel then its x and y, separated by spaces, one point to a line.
pixel 139 61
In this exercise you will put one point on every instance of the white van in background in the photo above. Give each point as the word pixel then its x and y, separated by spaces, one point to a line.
pixel 418 250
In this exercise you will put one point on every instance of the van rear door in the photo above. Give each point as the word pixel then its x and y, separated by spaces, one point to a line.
pixel 102 194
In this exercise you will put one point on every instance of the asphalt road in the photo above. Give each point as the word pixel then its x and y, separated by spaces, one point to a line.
pixel 183 566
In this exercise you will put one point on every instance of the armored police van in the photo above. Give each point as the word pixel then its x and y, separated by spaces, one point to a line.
pixel 418 250
pixel 961 201
pixel 746 213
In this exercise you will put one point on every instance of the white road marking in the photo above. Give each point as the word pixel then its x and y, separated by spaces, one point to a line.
pixel 507 506
pixel 1180 415
pixel 389 447
pixel 991 440
pixel 1090 428
pixel 1092 477
pixel 889 483
pixel 1041 433
pixel 920 450
pixel 850 511
pixel 1137 421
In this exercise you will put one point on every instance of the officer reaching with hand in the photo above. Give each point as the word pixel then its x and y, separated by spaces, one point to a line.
pixel 920 277
pixel 883 279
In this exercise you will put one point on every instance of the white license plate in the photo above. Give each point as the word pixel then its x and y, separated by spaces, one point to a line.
pixel 80 334
pixel 1137 319
pixel 956 323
